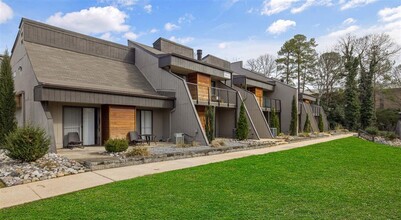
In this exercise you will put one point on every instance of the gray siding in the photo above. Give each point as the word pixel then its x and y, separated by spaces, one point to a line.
pixel 32 111
pixel 284 93
pixel 190 66
pixel 256 113
pixel 60 95
pixel 56 37
pixel 225 122
pixel 216 61
pixel 326 125
pixel 251 82
pixel 184 118
pixel 307 110
pixel 168 46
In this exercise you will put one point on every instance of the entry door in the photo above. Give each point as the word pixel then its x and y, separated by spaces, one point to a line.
pixel 72 122
pixel 88 127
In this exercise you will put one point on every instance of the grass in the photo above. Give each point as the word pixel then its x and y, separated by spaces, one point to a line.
pixel 343 179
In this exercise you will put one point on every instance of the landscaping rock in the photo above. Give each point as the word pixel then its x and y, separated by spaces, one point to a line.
pixel 50 166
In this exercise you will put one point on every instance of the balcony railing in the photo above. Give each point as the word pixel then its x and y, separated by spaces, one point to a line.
pixel 272 104
pixel 202 94
pixel 316 110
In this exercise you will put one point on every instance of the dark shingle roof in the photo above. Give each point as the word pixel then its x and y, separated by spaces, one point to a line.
pixel 71 69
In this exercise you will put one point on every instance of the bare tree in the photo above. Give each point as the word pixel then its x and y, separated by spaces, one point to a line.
pixel 329 74
pixel 396 77
pixel 264 64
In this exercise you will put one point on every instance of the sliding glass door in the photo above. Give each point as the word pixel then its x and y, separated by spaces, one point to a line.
pixel 83 121
pixel 146 122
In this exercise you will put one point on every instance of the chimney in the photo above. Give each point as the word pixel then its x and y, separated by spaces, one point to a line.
pixel 199 54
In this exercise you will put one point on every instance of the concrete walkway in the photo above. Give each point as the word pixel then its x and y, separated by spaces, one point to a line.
pixel 20 194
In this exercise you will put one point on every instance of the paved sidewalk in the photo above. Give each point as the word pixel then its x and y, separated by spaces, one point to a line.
pixel 20 194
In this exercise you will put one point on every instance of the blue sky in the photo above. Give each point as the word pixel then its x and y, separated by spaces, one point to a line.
pixel 230 29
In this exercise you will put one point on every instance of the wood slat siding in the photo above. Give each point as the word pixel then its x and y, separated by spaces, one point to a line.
pixel 117 121
pixel 56 37
pixel 201 93
pixel 258 93
pixel 201 110
pixel 59 95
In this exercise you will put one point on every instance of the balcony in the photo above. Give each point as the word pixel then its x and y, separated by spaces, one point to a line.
pixel 205 95
pixel 316 110
pixel 269 104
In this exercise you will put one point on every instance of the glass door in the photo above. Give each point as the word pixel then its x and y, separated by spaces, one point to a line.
pixel 146 122
pixel 72 121
pixel 88 127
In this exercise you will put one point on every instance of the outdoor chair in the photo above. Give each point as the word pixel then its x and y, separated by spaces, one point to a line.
pixel 74 140
pixel 135 138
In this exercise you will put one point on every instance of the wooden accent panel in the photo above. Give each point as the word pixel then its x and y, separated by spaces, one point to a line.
pixel 117 121
pixel 204 82
pixel 201 110
pixel 258 93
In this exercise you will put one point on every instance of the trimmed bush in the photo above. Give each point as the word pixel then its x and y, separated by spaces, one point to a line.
pixel 138 151
pixel 209 126
pixel 116 145
pixel 372 130
pixel 275 121
pixel 307 125
pixel 242 124
pixel 27 143
pixel 294 117
pixel 321 125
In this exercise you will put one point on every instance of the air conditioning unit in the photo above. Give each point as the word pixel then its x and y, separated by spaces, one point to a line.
pixel 274 132
pixel 179 138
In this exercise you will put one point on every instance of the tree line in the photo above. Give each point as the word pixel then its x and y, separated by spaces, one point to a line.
pixel 344 79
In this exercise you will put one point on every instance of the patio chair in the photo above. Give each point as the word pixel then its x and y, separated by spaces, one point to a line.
pixel 135 138
pixel 73 140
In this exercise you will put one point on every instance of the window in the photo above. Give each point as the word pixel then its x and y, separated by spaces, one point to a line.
pixel 146 122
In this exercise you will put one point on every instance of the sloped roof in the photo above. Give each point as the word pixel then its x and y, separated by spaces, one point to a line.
pixel 71 69
pixel 237 68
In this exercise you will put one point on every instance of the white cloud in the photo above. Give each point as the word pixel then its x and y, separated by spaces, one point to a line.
pixel 390 14
pixel 170 26
pixel 280 26
pixel 349 21
pixel 106 36
pixel 183 40
pixel 271 7
pixel 153 30
pixel 131 35
pixel 224 45
pixel 343 32
pixel 94 20
pixel 6 12
pixel 187 18
pixel 148 8
pixel 310 3
pixel 354 3
pixel 119 2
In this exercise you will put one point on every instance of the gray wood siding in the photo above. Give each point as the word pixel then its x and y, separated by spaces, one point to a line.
pixel 184 118
pixel 255 113
pixel 307 110
pixel 251 82
pixel 59 95
pixel 192 66
pixel 51 36
pixel 172 47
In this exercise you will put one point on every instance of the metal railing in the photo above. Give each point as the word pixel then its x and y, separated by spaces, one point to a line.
pixel 272 103
pixel 202 94
pixel 316 110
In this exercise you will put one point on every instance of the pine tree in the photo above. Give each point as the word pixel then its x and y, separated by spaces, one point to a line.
pixel 209 127
pixel 294 117
pixel 275 121
pixel 7 99
pixel 321 125
pixel 307 125
pixel 242 125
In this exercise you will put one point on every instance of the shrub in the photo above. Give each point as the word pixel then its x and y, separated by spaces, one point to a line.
pixel 372 130
pixel 307 125
pixel 27 143
pixel 390 135
pixel 275 121
pixel 242 125
pixel 321 125
pixel 387 119
pixel 217 143
pixel 209 126
pixel 116 145
pixel 294 117
pixel 138 151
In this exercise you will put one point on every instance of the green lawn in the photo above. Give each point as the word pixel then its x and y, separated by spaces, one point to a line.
pixel 342 179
